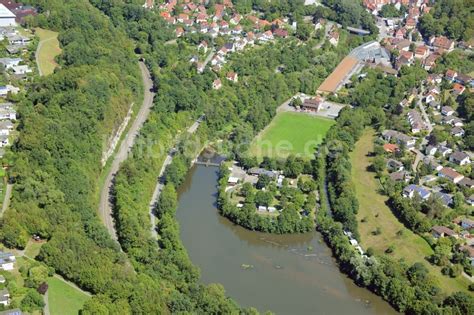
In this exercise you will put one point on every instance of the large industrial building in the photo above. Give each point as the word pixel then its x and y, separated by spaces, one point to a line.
pixel 7 17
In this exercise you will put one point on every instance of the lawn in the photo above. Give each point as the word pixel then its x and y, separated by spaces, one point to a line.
pixel 377 214
pixel 63 298
pixel 48 50
pixel 289 133
pixel 33 248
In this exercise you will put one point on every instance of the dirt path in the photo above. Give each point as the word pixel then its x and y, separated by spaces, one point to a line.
pixel 105 206
pixel 6 199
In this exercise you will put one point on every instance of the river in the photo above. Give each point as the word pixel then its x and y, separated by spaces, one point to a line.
pixel 291 274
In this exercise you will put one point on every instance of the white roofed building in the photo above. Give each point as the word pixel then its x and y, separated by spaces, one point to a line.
pixel 7 17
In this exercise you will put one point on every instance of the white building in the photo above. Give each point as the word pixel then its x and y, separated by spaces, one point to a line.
pixel 7 18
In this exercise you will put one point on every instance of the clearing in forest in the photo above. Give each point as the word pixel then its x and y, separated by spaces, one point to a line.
pixel 63 298
pixel 48 49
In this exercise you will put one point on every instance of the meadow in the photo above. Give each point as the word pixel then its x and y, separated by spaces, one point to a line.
pixel 374 214
pixel 48 49
pixel 64 299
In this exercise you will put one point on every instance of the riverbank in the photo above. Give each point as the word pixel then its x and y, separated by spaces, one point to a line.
pixel 291 274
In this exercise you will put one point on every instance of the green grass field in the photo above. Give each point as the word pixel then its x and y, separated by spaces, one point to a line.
pixel 63 298
pixel 289 133
pixel 372 208
pixel 48 51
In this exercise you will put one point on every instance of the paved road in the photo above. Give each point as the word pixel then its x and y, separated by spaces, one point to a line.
pixel 159 185
pixel 7 198
pixel 418 158
pixel 105 206
pixel 423 112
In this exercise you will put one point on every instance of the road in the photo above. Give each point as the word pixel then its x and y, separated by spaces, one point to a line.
pixel 105 206
pixel 159 185
pixel 6 199
pixel 423 112
pixel 418 158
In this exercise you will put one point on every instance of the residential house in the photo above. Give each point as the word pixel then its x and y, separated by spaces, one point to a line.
pixel 431 162
pixel 447 111
pixel 430 150
pixel 450 174
pixel 446 199
pixel 7 113
pixel 430 61
pixel 312 104
pixel 4 297
pixel 398 137
pixel 458 89
pixel 442 42
pixel 459 158
pixel 430 97
pixel 203 46
pixel 232 181
pixel 7 260
pixel 333 37
pixel 391 148
pixel 410 190
pixel 469 250
pixel 444 151
pixel 457 122
pixel 457 132
pixel 217 84
pixel 467 182
pixel 232 76
pixel 464 79
pixel 279 32
pixel 470 200
pixel 4 90
pixel 394 165
pixel 9 63
pixel 421 52
pixel 467 223
pixel 442 231
pixel 398 176
pixel 417 123
pixel 435 105
pixel 235 19
pixel 179 31
pixel 450 75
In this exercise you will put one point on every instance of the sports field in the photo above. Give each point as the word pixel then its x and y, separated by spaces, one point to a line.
pixel 376 214
pixel 291 133
pixel 63 298
pixel 48 49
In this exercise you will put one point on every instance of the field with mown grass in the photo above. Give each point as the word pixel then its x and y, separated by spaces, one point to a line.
pixel 291 133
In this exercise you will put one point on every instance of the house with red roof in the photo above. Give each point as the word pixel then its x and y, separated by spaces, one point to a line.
pixel 280 32
pixel 232 76
pixel 421 52
pixel 451 75
pixel 442 42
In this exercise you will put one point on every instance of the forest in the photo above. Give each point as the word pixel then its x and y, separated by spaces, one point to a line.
pixel 451 18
